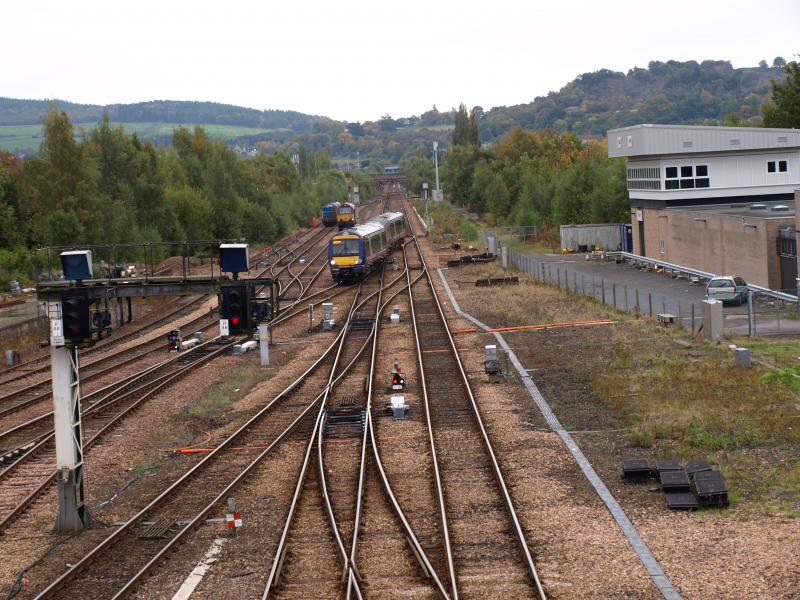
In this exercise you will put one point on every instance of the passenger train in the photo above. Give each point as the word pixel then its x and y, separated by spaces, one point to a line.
pixel 346 215
pixel 356 252
pixel 330 214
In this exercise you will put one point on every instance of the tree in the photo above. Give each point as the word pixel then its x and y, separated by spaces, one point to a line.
pixel 784 110
pixel 356 129
pixel 762 64
pixel 387 123
pixel 458 172
pixel 778 62
pixel 466 129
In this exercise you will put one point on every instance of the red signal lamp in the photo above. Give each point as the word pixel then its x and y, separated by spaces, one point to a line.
pixel 235 321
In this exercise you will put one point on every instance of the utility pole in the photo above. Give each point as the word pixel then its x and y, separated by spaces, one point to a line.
pixel 437 192
pixel 425 199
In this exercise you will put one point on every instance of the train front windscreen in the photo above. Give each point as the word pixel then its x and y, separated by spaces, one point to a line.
pixel 347 247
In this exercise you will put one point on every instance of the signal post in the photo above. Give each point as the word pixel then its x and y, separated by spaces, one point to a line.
pixel 69 310
pixel 67 324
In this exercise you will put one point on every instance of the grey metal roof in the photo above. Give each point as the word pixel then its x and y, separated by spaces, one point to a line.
pixel 659 140
pixel 372 225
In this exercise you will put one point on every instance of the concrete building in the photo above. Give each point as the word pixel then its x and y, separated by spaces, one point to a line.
pixel 719 199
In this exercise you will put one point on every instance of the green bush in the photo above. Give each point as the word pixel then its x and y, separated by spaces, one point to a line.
pixel 16 264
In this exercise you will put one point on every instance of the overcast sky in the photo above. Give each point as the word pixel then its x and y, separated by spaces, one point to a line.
pixel 358 59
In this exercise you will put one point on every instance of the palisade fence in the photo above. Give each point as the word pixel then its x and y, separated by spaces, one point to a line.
pixel 768 316
pixel 610 293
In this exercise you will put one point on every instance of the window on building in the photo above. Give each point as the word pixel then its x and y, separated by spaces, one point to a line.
pixel 771 166
pixel 661 247
pixel 783 166
pixel 691 176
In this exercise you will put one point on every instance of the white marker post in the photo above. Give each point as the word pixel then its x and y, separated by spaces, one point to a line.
pixel 263 343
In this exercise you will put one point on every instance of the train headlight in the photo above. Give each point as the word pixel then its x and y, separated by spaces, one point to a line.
pixel 358 261
pixel 333 262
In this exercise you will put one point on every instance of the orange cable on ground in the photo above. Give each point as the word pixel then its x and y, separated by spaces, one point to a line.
pixel 543 326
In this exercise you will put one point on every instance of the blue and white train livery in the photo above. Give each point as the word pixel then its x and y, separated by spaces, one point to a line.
pixel 357 251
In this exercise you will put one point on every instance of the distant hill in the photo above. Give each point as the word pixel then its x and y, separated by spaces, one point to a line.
pixel 29 112
pixel 21 121
pixel 710 92
pixel 688 93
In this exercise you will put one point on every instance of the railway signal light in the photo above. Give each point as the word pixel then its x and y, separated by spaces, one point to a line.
pixel 398 381
pixel 174 340
pixel 234 308
pixel 76 319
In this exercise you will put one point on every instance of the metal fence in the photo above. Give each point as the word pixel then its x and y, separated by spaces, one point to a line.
pixel 764 316
pixel 523 233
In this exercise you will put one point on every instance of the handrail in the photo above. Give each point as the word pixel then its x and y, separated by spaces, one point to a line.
pixel 702 274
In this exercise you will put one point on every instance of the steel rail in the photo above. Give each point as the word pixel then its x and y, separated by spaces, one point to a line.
pixel 117 535
pixel 350 568
pixel 170 378
pixel 100 346
pixel 353 576
pixel 239 478
pixel 114 354
pixel 280 551
pixel 164 318
pixel 411 537
pixel 110 388
pixel 106 396
pixel 434 455
pixel 519 534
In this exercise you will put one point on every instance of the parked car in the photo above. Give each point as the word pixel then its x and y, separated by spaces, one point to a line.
pixel 727 288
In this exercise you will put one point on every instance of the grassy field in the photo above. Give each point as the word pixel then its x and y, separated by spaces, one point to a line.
pixel 28 138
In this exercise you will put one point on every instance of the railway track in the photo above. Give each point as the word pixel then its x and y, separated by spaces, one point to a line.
pixel 27 449
pixel 488 554
pixel 40 364
pixel 39 392
pixel 344 413
pixel 341 413
pixel 341 477
pixel 29 473
pixel 119 562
